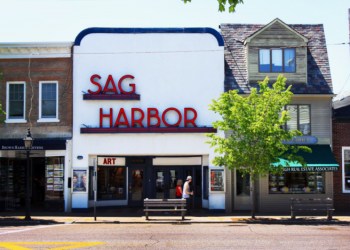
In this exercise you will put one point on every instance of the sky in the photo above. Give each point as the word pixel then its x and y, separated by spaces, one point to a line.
pixel 61 21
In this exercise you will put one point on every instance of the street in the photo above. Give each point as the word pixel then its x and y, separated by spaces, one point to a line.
pixel 175 236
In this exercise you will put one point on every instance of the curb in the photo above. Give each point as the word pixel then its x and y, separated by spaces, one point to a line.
pixel 267 221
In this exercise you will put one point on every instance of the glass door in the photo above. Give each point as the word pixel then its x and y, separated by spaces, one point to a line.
pixel 136 185
pixel 165 183
pixel 242 200
pixel 195 185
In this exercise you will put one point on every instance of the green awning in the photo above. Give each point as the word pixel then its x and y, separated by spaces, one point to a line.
pixel 320 160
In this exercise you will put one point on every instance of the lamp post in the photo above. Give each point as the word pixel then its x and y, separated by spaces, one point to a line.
pixel 28 142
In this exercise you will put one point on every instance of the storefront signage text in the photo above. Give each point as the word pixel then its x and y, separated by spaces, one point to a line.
pixel 153 117
pixel 110 87
pixel 302 140
pixel 111 161
pixel 148 119
pixel 15 147
pixel 310 169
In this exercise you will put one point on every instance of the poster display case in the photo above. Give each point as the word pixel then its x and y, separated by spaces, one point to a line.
pixel 217 180
pixel 79 180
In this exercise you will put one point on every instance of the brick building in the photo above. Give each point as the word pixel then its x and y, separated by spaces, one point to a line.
pixel 341 147
pixel 35 93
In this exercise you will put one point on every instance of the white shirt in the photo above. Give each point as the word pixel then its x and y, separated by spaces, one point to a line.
pixel 186 190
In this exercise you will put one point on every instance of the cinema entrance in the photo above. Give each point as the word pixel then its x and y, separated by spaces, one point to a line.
pixel 146 180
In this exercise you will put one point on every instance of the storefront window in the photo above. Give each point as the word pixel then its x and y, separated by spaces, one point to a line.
pixel 346 170
pixel 297 183
pixel 54 178
pixel 111 183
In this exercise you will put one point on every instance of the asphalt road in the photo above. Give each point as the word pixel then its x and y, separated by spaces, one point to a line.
pixel 175 236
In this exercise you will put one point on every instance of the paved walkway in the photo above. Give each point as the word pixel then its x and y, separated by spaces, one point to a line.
pixel 137 216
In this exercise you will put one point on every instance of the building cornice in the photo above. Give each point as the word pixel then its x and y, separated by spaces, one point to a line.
pixel 35 50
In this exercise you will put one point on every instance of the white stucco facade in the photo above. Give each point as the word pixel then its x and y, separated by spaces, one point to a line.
pixel 171 68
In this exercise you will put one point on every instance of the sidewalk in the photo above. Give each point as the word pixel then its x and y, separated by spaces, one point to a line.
pixel 136 216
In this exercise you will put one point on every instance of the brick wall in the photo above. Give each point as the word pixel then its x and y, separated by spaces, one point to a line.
pixel 341 138
pixel 32 71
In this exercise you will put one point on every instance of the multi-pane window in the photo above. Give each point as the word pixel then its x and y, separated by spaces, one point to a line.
pixel 346 170
pixel 299 118
pixel 15 108
pixel 48 100
pixel 277 60
pixel 297 183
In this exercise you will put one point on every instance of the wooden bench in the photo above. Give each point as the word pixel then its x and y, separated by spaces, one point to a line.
pixel 313 205
pixel 164 205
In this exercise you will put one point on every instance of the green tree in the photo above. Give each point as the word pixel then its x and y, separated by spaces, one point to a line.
pixel 254 131
pixel 222 4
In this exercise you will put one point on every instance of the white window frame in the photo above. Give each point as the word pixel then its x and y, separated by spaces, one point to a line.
pixel 42 119
pixel 13 120
pixel 298 118
pixel 343 170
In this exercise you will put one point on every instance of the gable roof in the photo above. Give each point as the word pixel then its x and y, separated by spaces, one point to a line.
pixel 277 20
pixel 318 71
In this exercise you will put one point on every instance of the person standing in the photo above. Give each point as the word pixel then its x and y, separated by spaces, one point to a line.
pixel 178 189
pixel 186 192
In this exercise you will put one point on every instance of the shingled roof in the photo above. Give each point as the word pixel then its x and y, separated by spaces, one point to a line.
pixel 319 77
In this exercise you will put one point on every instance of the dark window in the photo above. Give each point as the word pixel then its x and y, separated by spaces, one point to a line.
pixel 111 183
pixel 16 101
pixel 299 118
pixel 346 170
pixel 205 183
pixel 48 100
pixel 277 60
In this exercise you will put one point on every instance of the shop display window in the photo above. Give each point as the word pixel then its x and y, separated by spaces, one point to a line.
pixel 346 170
pixel 111 184
pixel 297 183
pixel 54 178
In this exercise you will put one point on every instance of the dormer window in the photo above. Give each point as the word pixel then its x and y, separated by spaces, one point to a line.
pixel 277 60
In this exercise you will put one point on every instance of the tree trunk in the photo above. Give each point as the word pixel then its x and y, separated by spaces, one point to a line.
pixel 252 195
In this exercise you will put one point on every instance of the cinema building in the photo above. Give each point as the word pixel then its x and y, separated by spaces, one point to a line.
pixel 140 115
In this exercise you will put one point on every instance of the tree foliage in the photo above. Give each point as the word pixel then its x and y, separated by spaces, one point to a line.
pixel 224 3
pixel 254 128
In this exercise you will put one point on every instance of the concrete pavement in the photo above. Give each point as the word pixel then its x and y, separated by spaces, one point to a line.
pixel 136 215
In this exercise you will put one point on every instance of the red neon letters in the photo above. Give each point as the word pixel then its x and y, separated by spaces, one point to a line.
pixel 154 118
pixel 110 86
pixel 137 117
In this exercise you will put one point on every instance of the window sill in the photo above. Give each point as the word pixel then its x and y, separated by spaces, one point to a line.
pixel 48 120
pixel 15 121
